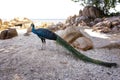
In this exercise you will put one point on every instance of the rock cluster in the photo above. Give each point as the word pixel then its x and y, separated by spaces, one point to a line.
pixel 16 22
pixel 111 24
pixel 89 16
pixel 56 27
pixel 69 32
pixel 92 17
pixel 45 24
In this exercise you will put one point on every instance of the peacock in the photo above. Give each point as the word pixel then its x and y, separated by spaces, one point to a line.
pixel 44 34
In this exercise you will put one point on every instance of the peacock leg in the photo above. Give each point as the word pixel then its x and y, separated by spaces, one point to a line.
pixel 43 46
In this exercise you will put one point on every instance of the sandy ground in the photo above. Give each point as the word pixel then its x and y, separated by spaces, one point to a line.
pixel 21 58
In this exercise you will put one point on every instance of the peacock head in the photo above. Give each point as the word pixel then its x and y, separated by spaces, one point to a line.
pixel 32 25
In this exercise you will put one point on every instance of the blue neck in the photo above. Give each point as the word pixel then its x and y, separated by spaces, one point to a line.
pixel 33 29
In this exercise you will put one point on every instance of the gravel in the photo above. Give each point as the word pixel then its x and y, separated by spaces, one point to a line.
pixel 21 58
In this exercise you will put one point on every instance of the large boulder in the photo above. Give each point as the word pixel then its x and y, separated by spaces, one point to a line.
pixel 74 37
pixel 83 43
pixel 71 34
pixel 3 34
pixel 88 14
pixel 92 12
pixel 7 34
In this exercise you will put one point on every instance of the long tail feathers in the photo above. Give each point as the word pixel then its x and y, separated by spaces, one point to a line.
pixel 81 56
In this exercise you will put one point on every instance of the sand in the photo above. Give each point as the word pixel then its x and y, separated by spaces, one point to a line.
pixel 21 58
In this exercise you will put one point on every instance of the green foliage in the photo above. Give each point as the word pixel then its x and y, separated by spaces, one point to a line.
pixel 104 5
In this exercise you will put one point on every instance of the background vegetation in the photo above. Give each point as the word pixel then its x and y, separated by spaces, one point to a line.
pixel 104 5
